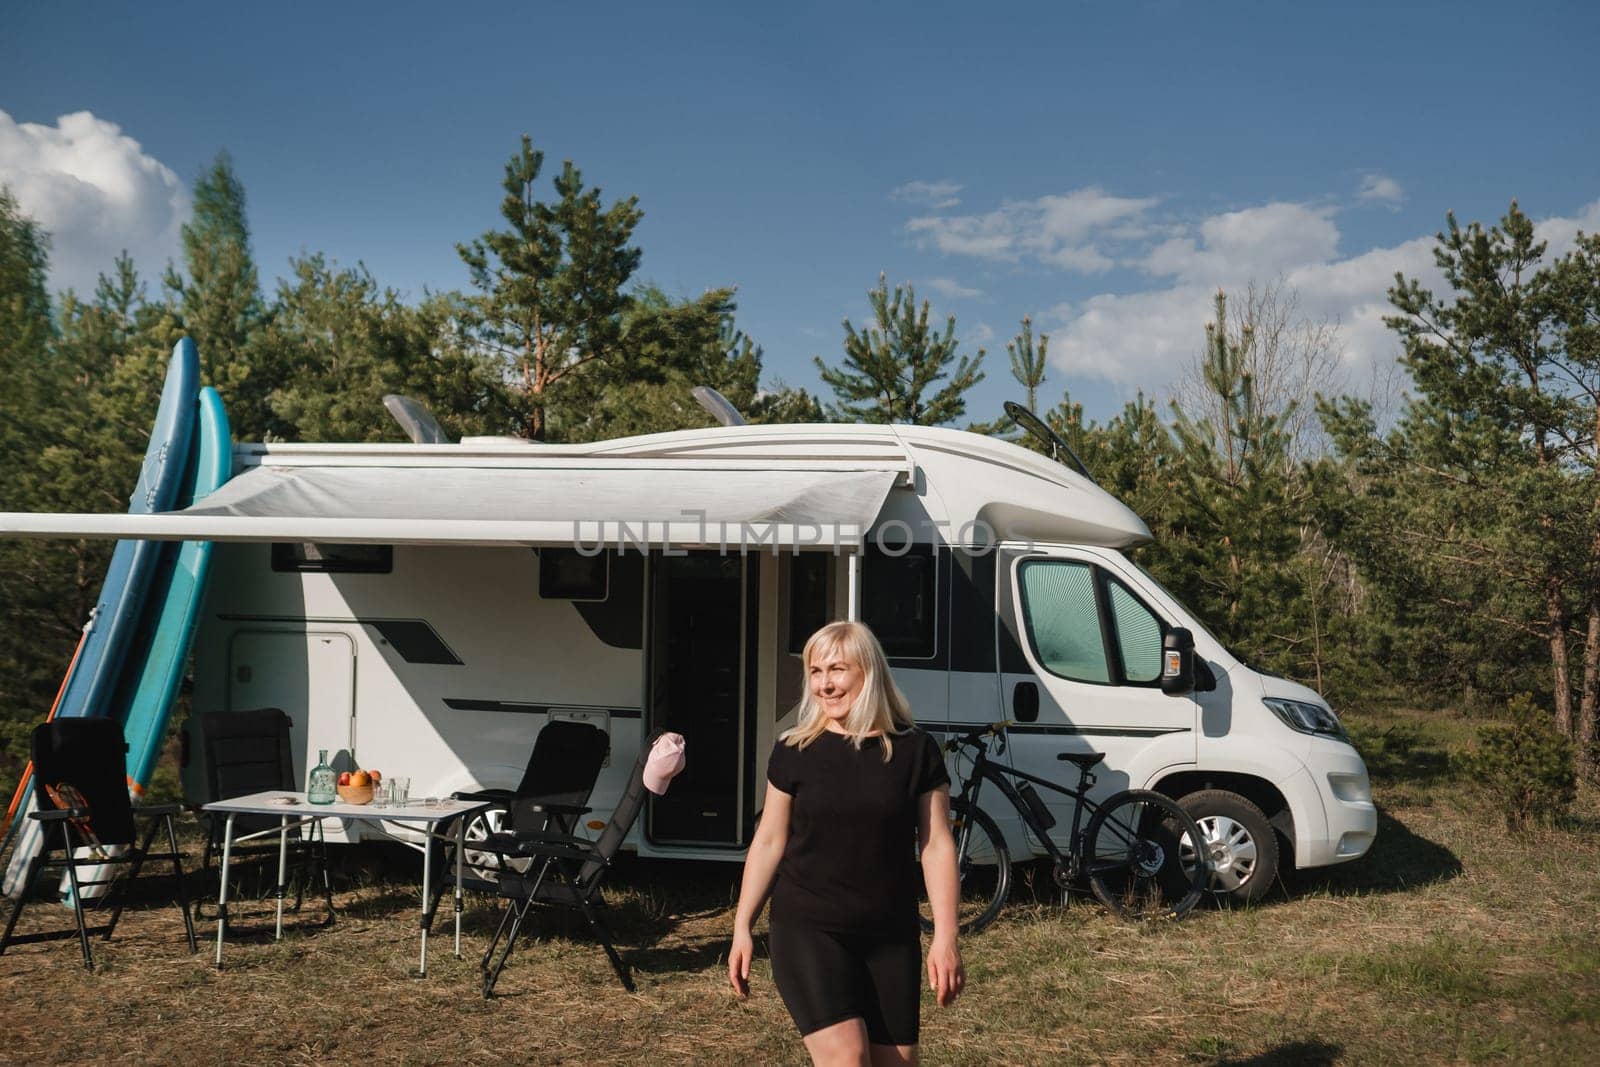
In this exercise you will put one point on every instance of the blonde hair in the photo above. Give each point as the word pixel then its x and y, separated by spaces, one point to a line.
pixel 881 708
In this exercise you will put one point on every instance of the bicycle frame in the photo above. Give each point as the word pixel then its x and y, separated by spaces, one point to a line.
pixel 983 770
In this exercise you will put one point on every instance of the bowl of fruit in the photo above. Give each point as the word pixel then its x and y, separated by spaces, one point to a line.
pixel 356 787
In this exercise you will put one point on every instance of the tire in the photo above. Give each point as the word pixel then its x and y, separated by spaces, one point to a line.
pixel 483 869
pixel 983 864
pixel 1140 857
pixel 1241 846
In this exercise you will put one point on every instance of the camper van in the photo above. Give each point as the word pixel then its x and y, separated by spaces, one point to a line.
pixel 425 608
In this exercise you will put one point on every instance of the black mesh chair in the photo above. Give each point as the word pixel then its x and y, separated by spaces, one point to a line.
pixel 565 871
pixel 80 784
pixel 248 752
pixel 553 794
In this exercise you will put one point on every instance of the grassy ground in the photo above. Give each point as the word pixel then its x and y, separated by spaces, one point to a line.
pixel 1454 941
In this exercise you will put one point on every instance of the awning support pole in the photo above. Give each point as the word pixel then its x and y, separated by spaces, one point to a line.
pixel 853 595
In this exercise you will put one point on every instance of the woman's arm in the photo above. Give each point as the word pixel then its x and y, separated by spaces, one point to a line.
pixel 946 976
pixel 760 867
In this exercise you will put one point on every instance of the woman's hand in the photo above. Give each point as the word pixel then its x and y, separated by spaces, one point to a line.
pixel 946 976
pixel 760 868
pixel 739 962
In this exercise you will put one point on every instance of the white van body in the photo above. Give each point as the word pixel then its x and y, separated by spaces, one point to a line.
pixel 424 609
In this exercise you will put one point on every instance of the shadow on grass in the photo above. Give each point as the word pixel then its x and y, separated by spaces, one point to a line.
pixel 1398 860
pixel 1401 755
pixel 1302 1053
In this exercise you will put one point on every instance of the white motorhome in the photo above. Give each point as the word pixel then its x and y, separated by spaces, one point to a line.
pixel 424 609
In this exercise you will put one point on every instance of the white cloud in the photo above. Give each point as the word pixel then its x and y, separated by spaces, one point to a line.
pixel 96 192
pixel 937 195
pixel 1073 231
pixel 1562 233
pixel 951 289
pixel 979 334
pixel 1383 189
pixel 988 236
pixel 1256 242
pixel 1144 339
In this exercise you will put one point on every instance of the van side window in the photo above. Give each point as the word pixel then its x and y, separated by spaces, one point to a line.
pixel 1063 619
pixel 899 594
pixel 1138 635
pixel 332 558
pixel 808 597
pixel 567 574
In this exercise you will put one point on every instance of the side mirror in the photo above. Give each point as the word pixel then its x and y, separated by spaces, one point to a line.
pixel 1177 662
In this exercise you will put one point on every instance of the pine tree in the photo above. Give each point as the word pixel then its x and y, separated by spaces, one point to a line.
pixel 27 333
pixel 1028 360
pixel 29 384
pixel 890 366
pixel 550 301
pixel 220 299
pixel 341 344
pixel 1481 509
pixel 1241 511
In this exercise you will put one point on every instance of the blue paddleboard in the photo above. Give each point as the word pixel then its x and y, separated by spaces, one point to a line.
pixel 155 664
pixel 93 680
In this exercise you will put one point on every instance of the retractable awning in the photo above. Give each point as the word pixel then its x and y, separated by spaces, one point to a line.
pixel 587 507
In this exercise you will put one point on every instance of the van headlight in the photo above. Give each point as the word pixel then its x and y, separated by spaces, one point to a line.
pixel 1307 718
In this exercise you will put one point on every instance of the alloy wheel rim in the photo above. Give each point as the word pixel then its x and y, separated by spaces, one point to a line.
pixel 1230 852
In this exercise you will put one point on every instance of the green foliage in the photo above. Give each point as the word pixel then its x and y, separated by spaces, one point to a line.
pixel 27 378
pixel 550 298
pixel 1028 361
pixel 1525 766
pixel 1477 518
pixel 336 345
pixel 220 300
pixel 1239 515
pixel 889 366
pixel 666 348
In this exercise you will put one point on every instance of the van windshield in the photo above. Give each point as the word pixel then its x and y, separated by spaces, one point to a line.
pixel 1194 618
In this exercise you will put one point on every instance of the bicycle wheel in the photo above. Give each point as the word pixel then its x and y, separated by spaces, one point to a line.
pixel 983 864
pixel 1140 856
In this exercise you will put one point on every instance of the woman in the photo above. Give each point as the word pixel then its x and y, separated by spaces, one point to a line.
pixel 847 788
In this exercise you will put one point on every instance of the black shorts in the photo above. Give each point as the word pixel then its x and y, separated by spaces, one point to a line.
pixel 826 978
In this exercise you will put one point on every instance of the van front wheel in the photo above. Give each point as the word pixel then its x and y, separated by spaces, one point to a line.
pixel 1241 848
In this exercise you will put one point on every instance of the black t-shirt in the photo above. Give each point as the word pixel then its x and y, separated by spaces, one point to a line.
pixel 850 862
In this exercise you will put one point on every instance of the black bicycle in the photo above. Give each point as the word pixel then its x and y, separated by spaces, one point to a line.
pixel 1138 852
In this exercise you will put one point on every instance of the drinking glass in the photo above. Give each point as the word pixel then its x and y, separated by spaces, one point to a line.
pixel 399 791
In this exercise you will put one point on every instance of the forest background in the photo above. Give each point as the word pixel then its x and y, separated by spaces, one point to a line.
pixel 1434 539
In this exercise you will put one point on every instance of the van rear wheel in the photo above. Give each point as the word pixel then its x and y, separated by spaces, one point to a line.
pixel 1241 847
pixel 983 870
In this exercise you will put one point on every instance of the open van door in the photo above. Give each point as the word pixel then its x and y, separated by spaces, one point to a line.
pixel 1081 663
pixel 701 656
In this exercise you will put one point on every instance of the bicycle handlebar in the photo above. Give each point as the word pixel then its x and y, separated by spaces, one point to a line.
pixel 979 738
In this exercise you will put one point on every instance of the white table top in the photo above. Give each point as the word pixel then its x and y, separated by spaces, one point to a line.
pixel 280 802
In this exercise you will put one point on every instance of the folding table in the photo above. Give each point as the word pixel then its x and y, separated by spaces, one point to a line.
pixel 294 808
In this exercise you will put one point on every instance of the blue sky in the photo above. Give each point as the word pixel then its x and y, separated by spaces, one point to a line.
pixel 1100 167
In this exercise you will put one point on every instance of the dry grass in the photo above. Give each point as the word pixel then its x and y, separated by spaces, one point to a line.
pixel 1454 942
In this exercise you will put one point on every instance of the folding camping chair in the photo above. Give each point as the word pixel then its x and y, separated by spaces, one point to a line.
pixel 80 783
pixel 555 787
pixel 248 752
pixel 565 872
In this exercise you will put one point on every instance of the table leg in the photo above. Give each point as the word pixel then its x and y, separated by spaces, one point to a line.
pixel 283 870
pixel 222 895
pixel 461 848
pixel 427 897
